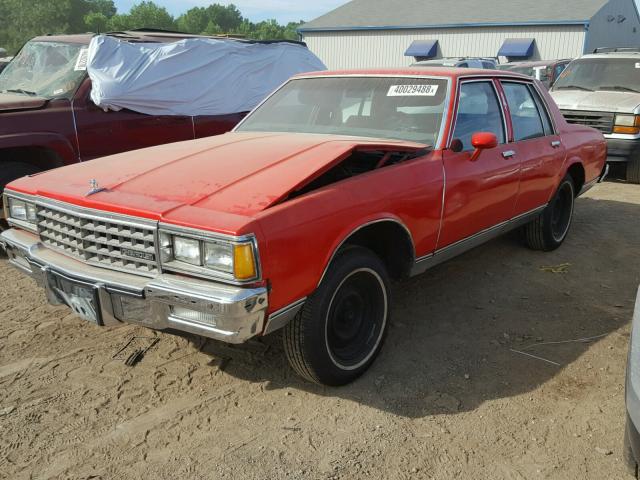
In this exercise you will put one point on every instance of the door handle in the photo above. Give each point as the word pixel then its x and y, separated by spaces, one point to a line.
pixel 555 143
pixel 508 153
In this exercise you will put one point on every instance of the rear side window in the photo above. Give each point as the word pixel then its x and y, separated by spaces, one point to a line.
pixel 525 117
pixel 478 111
pixel 544 115
pixel 488 65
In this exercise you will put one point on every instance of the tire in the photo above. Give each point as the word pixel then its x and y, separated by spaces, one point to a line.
pixel 633 170
pixel 549 229
pixel 342 325
pixel 629 458
pixel 13 170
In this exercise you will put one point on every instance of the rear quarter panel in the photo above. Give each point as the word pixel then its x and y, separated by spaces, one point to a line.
pixel 302 234
pixel 583 145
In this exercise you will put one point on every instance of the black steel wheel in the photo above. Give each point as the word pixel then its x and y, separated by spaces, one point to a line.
pixel 341 328
pixel 550 228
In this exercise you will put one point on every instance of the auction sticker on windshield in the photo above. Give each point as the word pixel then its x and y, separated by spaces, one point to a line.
pixel 81 62
pixel 412 91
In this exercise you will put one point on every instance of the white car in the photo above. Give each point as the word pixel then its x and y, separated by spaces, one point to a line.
pixel 459 62
pixel 602 91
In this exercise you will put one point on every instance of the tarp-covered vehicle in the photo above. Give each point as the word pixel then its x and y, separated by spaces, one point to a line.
pixel 71 98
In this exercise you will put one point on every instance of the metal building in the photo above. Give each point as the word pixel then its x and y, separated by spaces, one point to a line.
pixel 390 33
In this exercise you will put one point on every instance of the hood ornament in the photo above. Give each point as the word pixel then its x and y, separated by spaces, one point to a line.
pixel 95 188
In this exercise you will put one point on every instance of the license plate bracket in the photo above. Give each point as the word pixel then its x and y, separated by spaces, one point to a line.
pixel 81 297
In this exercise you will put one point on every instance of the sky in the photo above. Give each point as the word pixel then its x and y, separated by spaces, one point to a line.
pixel 283 11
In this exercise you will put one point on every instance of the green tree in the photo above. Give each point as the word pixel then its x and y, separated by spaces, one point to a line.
pixel 96 22
pixel 143 15
pixel 194 20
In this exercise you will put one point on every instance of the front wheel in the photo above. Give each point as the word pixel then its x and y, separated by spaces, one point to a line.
pixel 550 228
pixel 340 330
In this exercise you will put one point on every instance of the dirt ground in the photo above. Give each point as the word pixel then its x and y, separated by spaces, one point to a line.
pixel 447 398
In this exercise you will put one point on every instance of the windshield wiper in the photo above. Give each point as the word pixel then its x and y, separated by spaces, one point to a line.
pixel 20 90
pixel 573 87
pixel 619 88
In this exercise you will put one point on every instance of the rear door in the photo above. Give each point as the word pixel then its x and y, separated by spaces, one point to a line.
pixel 479 193
pixel 535 143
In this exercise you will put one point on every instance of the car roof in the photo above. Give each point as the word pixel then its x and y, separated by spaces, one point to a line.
pixel 151 36
pixel 634 55
pixel 444 72
pixel 536 63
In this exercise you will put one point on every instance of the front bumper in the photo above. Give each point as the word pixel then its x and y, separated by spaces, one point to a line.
pixel 223 312
pixel 621 150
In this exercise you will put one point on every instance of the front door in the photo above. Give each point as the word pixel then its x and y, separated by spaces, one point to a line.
pixel 480 193
pixel 103 133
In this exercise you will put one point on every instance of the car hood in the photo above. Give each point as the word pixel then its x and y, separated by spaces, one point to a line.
pixel 238 174
pixel 17 101
pixel 599 101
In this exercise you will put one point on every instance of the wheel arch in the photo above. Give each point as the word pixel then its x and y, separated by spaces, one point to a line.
pixel 380 235
pixel 577 172
pixel 43 150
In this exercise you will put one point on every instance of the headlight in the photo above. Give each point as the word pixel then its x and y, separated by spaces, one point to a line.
pixel 629 124
pixel 206 255
pixel 22 211
pixel 187 250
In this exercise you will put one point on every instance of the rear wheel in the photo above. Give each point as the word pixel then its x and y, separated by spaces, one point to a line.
pixel 550 227
pixel 341 328
pixel 633 170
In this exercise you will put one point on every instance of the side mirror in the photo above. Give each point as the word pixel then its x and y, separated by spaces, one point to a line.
pixel 482 141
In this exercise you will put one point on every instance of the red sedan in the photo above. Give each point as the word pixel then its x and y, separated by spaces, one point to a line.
pixel 338 182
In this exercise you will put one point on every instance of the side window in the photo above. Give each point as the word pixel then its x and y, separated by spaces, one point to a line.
pixel 463 65
pixel 488 65
pixel 525 116
pixel 544 115
pixel 559 69
pixel 478 111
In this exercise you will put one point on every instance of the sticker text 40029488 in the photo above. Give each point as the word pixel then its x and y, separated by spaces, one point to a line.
pixel 412 90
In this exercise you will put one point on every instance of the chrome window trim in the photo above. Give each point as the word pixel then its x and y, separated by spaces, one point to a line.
pixel 544 105
pixel 201 271
pixel 478 79
pixel 439 144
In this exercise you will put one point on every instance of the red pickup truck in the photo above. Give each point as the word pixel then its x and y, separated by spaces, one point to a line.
pixel 48 120
pixel 298 218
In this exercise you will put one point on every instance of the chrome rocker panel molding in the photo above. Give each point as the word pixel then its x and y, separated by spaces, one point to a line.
pixel 238 313
pixel 422 264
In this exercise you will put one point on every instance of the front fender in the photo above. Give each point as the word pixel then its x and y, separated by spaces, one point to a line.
pixel 45 140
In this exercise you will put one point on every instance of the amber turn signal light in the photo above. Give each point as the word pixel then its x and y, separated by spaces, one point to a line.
pixel 244 264
pixel 627 124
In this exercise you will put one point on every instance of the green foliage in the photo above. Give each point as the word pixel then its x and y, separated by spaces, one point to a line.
pixel 21 20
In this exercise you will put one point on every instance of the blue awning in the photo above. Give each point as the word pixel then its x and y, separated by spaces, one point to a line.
pixel 422 49
pixel 517 47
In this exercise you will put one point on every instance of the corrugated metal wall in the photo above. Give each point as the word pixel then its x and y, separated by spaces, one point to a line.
pixel 385 48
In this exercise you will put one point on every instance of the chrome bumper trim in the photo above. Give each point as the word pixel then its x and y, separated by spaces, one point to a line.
pixel 235 314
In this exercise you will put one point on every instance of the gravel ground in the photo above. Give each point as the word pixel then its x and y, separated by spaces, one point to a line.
pixel 447 398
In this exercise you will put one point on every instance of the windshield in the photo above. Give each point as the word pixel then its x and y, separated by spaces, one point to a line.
pixel 601 74
pixel 408 109
pixel 45 69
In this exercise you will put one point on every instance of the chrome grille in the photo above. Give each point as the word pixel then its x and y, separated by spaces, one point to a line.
pixel 602 121
pixel 103 242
